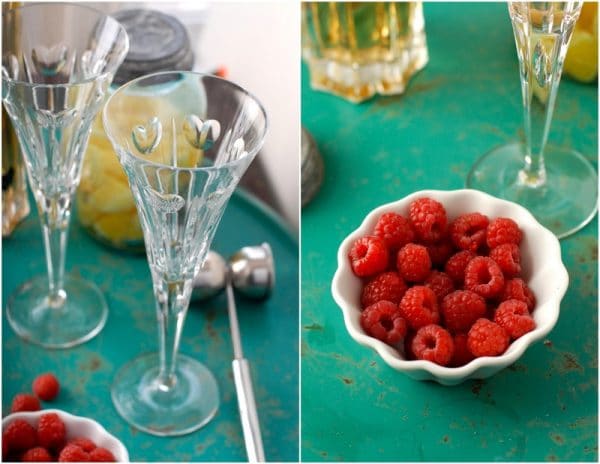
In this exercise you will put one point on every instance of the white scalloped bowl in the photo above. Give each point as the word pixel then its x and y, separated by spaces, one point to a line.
pixel 76 427
pixel 541 262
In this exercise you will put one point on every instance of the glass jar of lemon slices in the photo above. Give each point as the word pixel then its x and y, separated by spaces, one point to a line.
pixel 105 205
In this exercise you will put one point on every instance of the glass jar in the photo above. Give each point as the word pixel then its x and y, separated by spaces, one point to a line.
pixel 105 205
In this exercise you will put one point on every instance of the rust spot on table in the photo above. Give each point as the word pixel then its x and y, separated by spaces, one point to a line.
pixel 477 385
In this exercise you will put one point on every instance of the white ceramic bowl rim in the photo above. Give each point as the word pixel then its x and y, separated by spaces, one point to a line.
pixel 450 375
pixel 77 426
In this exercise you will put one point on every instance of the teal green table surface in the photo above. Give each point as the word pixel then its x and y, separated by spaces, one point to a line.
pixel 269 336
pixel 465 102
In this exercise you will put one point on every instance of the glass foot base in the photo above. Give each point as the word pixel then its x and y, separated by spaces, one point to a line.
pixel 564 203
pixel 188 405
pixel 69 322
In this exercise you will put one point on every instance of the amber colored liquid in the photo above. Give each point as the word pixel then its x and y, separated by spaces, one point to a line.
pixel 15 203
pixel 355 49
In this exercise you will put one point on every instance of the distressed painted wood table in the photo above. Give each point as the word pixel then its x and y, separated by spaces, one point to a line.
pixel 465 102
pixel 269 335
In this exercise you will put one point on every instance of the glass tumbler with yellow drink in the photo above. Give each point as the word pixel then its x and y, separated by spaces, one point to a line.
pixel 358 49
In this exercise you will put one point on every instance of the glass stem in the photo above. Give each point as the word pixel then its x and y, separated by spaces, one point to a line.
pixel 55 212
pixel 541 58
pixel 173 299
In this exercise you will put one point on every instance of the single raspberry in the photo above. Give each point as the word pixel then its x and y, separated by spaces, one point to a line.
pixel 394 229
pixel 386 286
pixel 37 454
pixel 440 283
pixel 46 387
pixel 102 455
pixel 368 256
pixel 468 231
pixel 383 321
pixel 517 289
pixel 483 276
pixel 84 443
pixel 19 435
pixel 461 308
pixel 51 431
pixel 419 307
pixel 73 453
pixel 462 355
pixel 503 230
pixel 456 265
pixel 413 262
pixel 428 219
pixel 486 338
pixel 514 316
pixel 433 343
pixel 440 252
pixel 508 258
pixel 25 402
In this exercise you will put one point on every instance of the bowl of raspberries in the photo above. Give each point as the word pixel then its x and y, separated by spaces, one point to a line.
pixel 450 285
pixel 52 435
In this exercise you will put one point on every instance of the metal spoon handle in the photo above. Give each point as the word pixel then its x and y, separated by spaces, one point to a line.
pixel 243 387
pixel 248 413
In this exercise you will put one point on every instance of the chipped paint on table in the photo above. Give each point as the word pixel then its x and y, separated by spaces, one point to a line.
pixel 268 329
pixel 464 103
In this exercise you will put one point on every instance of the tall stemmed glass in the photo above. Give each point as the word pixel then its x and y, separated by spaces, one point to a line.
pixel 55 74
pixel 559 186
pixel 184 140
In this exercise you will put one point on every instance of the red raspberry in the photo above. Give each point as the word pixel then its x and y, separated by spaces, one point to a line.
pixel 25 402
pixel 503 230
pixel 514 316
pixel 419 307
pixel 102 455
pixel 483 276
pixel 394 229
pixel 46 387
pixel 368 256
pixel 456 265
pixel 517 289
pixel 468 231
pixel 440 283
pixel 73 453
pixel 387 286
pixel 433 343
pixel 51 431
pixel 428 219
pixel 413 262
pixel 461 308
pixel 19 435
pixel 37 454
pixel 383 321
pixel 440 252
pixel 486 338
pixel 462 355
pixel 84 443
pixel 508 258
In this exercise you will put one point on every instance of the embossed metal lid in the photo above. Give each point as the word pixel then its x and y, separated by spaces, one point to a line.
pixel 157 42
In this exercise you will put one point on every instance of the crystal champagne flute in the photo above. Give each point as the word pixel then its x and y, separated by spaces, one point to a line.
pixel 558 186
pixel 53 85
pixel 184 140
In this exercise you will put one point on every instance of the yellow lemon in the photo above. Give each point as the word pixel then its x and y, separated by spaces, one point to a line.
pixel 581 62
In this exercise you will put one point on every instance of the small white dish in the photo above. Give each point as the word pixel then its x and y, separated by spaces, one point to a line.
pixel 541 262
pixel 76 427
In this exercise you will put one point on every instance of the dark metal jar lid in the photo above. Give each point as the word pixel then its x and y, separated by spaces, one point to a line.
pixel 157 42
